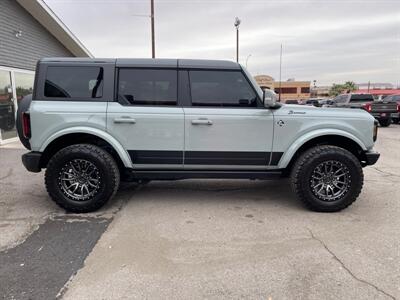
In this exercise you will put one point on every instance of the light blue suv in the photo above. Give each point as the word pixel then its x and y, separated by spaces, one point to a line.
pixel 93 122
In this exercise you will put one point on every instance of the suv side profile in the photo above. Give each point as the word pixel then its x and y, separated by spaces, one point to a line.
pixel 94 122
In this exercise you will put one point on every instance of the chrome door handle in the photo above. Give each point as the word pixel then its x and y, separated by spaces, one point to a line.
pixel 202 122
pixel 124 120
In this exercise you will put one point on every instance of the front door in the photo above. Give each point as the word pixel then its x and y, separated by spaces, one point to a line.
pixel 146 119
pixel 225 127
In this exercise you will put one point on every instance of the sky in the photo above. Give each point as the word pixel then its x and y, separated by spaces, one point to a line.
pixel 330 41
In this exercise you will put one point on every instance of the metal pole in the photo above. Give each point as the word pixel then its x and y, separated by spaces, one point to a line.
pixel 280 75
pixel 248 56
pixel 237 44
pixel 153 46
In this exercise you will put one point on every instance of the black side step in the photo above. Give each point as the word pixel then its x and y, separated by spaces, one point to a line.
pixel 175 175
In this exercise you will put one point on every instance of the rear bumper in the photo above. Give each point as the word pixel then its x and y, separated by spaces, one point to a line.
pixel 371 157
pixel 31 161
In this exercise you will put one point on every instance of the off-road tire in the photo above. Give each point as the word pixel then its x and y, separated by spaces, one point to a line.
pixel 385 123
pixel 304 167
pixel 102 160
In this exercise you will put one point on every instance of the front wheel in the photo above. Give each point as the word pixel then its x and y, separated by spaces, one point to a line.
pixel 327 178
pixel 82 178
pixel 385 122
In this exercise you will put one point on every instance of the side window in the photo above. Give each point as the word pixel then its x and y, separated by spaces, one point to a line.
pixel 147 86
pixel 340 99
pixel 221 88
pixel 74 82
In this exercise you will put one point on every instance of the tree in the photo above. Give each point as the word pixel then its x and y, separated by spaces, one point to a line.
pixel 347 87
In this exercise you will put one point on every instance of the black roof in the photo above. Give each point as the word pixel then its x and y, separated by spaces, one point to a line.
pixel 150 62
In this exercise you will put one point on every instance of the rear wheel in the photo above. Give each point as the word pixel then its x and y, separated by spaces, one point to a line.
pixel 82 178
pixel 385 122
pixel 327 178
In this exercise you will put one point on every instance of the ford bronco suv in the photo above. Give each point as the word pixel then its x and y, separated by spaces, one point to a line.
pixel 94 122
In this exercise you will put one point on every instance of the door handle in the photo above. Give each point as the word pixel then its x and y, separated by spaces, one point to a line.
pixel 124 120
pixel 202 122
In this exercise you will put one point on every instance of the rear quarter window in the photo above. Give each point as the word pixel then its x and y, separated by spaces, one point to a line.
pixel 74 82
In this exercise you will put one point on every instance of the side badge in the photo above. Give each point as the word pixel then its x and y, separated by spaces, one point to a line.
pixel 280 123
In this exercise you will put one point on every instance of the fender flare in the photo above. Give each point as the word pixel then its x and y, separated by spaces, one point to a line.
pixel 122 153
pixel 290 152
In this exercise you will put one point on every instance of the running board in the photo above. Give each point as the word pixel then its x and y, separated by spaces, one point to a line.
pixel 176 175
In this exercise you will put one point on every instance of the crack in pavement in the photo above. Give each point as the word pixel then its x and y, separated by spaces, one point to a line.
pixel 346 268
pixel 9 173
pixel 385 172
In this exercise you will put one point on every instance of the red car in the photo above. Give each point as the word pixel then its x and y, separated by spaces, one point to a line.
pixel 395 98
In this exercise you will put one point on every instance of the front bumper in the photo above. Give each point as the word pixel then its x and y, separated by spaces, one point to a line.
pixel 31 161
pixel 371 157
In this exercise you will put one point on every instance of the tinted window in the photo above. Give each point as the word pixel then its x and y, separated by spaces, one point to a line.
pixel 340 99
pixel 305 90
pixel 74 82
pixel 147 86
pixel 286 90
pixel 221 88
pixel 361 98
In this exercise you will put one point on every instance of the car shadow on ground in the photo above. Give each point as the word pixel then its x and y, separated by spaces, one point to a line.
pixel 270 193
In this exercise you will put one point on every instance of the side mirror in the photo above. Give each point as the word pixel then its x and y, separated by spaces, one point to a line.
pixel 270 99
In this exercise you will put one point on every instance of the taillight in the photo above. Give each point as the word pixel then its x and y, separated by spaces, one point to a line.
pixel 398 108
pixel 367 107
pixel 26 125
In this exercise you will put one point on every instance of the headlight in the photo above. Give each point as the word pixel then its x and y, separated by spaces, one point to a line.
pixel 375 135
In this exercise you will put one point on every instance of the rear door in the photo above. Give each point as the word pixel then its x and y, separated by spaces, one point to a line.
pixel 226 126
pixel 145 117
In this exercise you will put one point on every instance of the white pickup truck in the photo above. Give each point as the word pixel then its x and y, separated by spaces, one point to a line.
pixel 93 122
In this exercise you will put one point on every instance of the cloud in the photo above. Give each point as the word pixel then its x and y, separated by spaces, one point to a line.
pixel 329 41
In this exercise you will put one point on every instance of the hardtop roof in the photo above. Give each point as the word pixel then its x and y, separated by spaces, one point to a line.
pixel 151 62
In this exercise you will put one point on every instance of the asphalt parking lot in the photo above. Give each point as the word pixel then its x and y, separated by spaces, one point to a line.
pixel 201 239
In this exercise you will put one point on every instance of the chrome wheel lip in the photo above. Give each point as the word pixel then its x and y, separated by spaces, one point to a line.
pixel 330 180
pixel 79 179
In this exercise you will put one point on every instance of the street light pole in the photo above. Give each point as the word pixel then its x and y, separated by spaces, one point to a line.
pixel 280 75
pixel 153 46
pixel 248 56
pixel 237 23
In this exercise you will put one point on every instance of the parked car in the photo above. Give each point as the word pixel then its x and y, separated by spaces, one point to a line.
pixel 313 101
pixel 380 110
pixel 94 122
pixel 7 115
pixel 394 98
pixel 291 102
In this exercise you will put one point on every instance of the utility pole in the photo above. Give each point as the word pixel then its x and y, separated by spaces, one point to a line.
pixel 237 23
pixel 280 75
pixel 153 46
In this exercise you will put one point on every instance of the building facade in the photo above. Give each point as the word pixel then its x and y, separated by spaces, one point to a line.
pixel 288 90
pixel 29 30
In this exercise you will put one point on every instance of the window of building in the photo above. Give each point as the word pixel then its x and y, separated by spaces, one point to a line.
pixel 221 88
pixel 305 90
pixel 287 90
pixel 147 86
pixel 74 82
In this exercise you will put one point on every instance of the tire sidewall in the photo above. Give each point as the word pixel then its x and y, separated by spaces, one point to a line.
pixel 106 179
pixel 356 178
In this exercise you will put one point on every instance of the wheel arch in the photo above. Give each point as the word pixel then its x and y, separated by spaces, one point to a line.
pixel 335 138
pixel 73 135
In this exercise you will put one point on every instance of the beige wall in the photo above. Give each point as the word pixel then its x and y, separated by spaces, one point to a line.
pixel 291 90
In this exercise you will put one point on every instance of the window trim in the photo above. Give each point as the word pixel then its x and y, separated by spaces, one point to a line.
pixel 258 100
pixel 123 103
